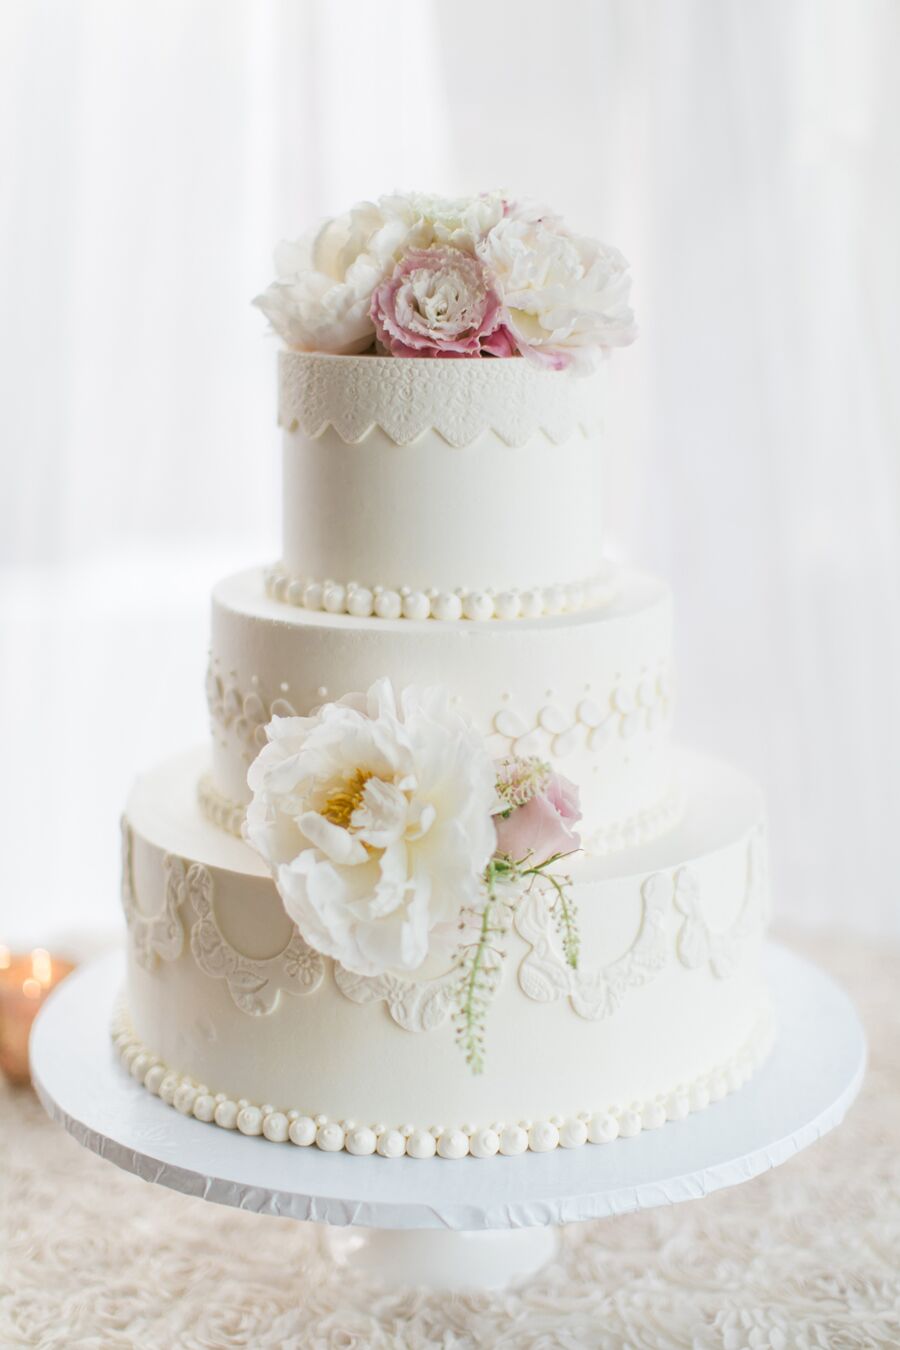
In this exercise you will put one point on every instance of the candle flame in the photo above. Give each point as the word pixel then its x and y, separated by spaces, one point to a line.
pixel 5 957
pixel 32 988
pixel 41 967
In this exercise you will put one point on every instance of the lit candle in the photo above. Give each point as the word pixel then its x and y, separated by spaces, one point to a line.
pixel 25 981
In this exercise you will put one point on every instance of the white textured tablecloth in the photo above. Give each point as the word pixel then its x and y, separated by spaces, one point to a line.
pixel 805 1256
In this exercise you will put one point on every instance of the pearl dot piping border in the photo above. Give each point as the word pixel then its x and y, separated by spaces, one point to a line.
pixel 381 602
pixel 635 830
pixel 507 1138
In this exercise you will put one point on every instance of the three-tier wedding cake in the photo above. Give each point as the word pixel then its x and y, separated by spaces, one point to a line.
pixel 441 886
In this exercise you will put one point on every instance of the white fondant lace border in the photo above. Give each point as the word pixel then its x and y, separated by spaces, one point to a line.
pixel 508 1138
pixel 381 602
pixel 460 400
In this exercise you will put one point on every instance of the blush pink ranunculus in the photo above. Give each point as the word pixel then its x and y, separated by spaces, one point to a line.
pixel 542 827
pixel 440 302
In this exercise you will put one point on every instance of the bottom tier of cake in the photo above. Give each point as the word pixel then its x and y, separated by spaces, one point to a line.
pixel 232 1018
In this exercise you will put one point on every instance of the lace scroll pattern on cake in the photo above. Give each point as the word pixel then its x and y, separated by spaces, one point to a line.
pixel 697 944
pixel 158 936
pixel 545 975
pixel 405 399
pixel 415 1005
pixel 631 707
pixel 247 713
pixel 255 985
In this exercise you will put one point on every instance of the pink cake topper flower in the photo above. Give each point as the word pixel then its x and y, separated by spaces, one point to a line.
pixel 440 302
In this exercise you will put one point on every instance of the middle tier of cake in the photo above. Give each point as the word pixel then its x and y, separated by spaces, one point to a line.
pixel 588 692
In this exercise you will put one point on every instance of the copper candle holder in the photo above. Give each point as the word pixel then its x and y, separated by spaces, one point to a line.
pixel 25 982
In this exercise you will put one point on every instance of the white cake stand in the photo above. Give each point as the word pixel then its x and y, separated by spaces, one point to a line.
pixel 468 1223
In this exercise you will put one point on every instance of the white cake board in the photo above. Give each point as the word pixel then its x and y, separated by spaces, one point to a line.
pixel 491 1221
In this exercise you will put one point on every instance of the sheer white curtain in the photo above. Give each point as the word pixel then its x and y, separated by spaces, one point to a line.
pixel 747 159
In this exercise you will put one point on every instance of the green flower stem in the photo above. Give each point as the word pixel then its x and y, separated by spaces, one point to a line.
pixel 472 1032
pixel 569 931
pixel 563 905
pixel 480 960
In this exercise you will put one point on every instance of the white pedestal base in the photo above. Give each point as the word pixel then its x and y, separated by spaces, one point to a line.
pixel 470 1223
pixel 441 1259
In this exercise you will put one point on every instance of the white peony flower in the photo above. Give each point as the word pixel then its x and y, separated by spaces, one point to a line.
pixel 321 299
pixel 374 814
pixel 564 293
pixel 325 281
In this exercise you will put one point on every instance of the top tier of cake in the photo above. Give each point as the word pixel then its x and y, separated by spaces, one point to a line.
pixel 467 488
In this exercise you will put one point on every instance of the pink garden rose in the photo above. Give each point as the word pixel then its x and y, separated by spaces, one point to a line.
pixel 542 825
pixel 440 302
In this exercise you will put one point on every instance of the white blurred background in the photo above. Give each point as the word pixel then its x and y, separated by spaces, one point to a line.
pixel 747 160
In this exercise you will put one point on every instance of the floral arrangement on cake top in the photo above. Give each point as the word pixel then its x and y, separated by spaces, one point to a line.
pixel 393 836
pixel 425 276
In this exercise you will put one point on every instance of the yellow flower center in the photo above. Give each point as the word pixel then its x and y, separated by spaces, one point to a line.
pixel 343 801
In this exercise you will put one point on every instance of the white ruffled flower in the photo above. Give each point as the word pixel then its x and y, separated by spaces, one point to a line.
pixel 564 293
pixel 374 814
pixel 322 297
pixel 460 222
